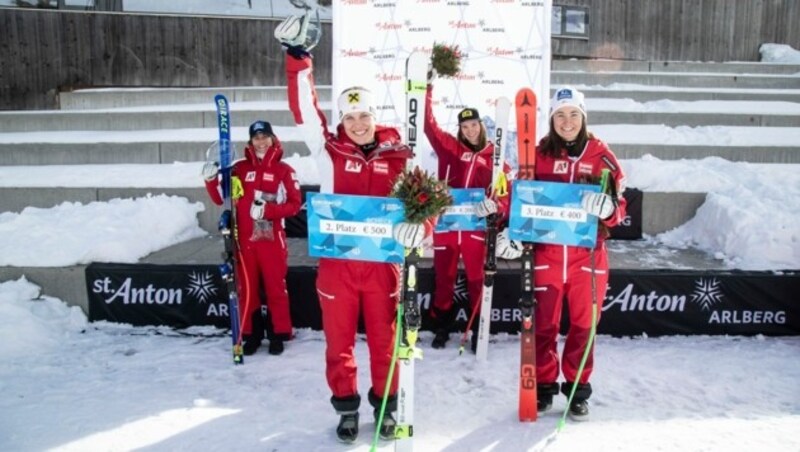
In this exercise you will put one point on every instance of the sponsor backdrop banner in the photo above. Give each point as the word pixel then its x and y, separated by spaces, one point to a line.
pixel 631 226
pixel 182 295
pixel 506 46
pixel 143 294
pixel 652 303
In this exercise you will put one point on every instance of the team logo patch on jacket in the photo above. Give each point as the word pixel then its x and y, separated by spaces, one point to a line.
pixel 480 160
pixel 561 167
pixel 352 166
pixel 250 176
pixel 381 168
pixel 269 177
pixel 585 168
pixel 467 156
pixel 608 162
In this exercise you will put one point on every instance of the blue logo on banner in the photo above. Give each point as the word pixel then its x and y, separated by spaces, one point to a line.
pixel 354 227
pixel 551 212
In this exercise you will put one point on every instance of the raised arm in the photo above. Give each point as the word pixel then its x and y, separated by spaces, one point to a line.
pixel 441 141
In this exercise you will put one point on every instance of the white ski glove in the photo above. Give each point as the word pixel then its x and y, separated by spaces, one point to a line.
pixel 210 171
pixel 598 204
pixel 257 209
pixel 410 235
pixel 506 248
pixel 485 208
pixel 292 31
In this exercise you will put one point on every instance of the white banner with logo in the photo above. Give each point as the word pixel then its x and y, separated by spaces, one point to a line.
pixel 506 46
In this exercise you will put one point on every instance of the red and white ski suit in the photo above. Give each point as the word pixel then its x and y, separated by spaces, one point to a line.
pixel 565 272
pixel 463 168
pixel 262 264
pixel 348 288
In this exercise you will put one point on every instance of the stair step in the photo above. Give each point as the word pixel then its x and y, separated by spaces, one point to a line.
pixel 674 66
pixel 641 93
pixel 718 80
pixel 751 144
pixel 88 99
pixel 143 118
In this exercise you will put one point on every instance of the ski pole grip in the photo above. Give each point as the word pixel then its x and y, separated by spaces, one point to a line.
pixel 604 180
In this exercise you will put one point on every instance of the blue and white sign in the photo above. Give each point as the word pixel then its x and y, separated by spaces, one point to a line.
pixel 551 212
pixel 460 216
pixel 354 227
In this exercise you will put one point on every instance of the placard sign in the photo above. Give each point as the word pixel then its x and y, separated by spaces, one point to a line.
pixel 551 212
pixel 354 227
pixel 461 215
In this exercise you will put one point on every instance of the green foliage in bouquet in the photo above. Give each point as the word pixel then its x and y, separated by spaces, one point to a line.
pixel 446 60
pixel 422 194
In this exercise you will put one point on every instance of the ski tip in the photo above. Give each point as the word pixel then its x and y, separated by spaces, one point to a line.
pixel 525 96
pixel 503 102
pixel 417 62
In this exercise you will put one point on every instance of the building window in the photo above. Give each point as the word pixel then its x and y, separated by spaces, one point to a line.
pixel 570 22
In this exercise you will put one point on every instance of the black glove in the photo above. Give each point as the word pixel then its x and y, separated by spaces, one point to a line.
pixel 296 52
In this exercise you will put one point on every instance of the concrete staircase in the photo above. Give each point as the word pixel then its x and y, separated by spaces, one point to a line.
pixel 179 124
pixel 744 94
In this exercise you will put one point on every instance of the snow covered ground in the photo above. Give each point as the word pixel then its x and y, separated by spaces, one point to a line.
pixel 779 53
pixel 68 385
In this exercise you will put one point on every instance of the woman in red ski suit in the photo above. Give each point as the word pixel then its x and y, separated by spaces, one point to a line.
pixel 465 161
pixel 270 192
pixel 361 158
pixel 569 153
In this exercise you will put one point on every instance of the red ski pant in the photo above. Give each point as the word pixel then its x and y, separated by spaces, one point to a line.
pixel 347 289
pixel 448 247
pixel 565 273
pixel 262 266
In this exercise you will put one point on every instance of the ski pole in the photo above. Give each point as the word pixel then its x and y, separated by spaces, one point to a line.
pixel 562 422
pixel 388 385
pixel 475 310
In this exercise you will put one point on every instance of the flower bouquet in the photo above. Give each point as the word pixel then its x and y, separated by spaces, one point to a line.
pixel 446 60
pixel 423 195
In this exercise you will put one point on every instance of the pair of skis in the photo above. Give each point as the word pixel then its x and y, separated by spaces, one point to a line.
pixel 227 223
pixel 525 111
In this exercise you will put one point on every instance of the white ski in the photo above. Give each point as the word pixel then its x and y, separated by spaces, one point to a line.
pixel 502 112
pixel 416 85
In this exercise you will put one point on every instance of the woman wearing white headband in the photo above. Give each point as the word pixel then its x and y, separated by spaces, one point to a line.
pixel 361 158
pixel 570 153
